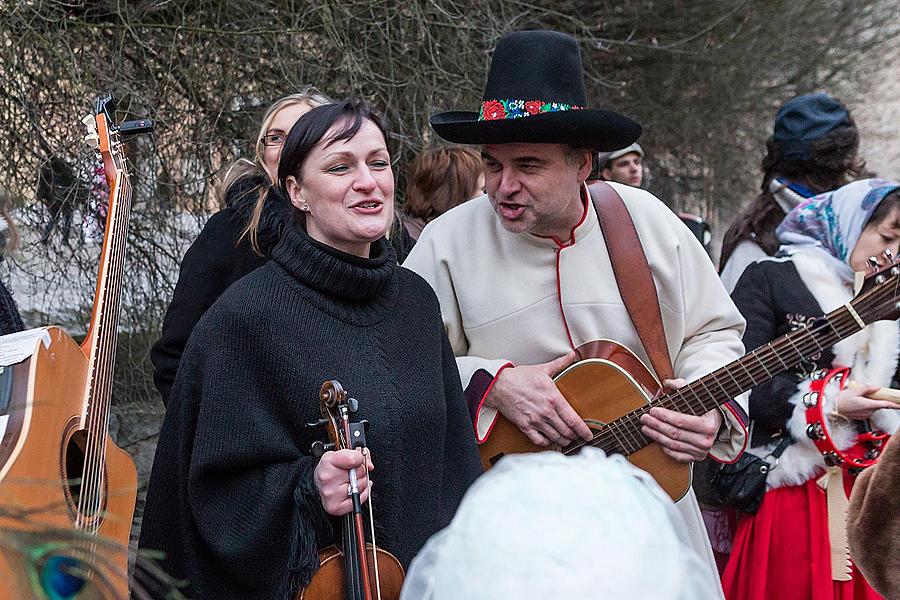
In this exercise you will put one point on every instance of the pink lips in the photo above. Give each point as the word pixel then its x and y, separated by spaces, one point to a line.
pixel 511 211
pixel 367 206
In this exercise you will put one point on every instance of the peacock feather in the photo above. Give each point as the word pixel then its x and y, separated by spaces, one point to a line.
pixel 49 563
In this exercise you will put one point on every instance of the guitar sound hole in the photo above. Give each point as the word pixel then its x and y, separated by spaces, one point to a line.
pixel 74 475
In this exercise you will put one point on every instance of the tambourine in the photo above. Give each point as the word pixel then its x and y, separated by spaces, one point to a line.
pixel 864 452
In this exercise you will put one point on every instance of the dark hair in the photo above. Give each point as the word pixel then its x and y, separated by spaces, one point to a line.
pixel 832 163
pixel 440 179
pixel 309 130
pixel 574 153
pixel 884 208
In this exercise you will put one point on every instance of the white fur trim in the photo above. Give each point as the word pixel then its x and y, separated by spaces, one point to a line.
pixel 802 460
pixel 886 420
pixel 872 356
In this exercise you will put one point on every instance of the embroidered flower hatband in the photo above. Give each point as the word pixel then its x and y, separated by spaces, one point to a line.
pixel 493 110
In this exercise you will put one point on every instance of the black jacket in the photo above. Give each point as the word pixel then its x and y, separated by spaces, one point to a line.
pixel 774 301
pixel 214 261
pixel 231 499
pixel 10 321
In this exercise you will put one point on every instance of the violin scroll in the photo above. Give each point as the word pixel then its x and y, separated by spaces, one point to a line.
pixel 331 395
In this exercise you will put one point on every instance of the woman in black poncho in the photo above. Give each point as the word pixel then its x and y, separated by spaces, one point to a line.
pixel 236 502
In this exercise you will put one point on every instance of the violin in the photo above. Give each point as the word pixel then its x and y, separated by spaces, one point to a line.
pixel 355 570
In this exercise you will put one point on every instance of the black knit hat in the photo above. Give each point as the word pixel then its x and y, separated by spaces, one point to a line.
pixel 804 119
pixel 535 94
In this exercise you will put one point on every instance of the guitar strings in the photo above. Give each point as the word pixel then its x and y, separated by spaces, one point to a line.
pixel 843 325
pixel 764 355
pixel 105 356
pixel 100 387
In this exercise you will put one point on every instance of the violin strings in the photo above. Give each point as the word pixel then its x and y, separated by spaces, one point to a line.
pixel 365 453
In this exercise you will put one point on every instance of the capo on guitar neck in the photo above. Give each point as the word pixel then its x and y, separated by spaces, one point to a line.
pixel 106 105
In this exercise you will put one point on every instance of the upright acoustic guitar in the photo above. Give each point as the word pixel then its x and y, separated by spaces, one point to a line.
pixel 610 388
pixel 67 492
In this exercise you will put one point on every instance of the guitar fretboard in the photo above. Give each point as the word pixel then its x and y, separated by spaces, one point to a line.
pixel 102 338
pixel 624 435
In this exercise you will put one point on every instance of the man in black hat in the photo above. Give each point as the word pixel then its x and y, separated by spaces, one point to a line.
pixel 524 277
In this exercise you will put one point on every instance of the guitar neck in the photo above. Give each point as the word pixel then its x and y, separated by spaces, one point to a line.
pixel 100 342
pixel 624 435
pixel 762 364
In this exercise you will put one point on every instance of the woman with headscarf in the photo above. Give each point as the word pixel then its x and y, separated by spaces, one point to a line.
pixel 794 547
pixel 812 150
pixel 234 241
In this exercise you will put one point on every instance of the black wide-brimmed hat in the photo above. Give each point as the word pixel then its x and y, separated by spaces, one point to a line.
pixel 535 94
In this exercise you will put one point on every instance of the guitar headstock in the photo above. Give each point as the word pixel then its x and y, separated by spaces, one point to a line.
pixel 106 137
pixel 879 295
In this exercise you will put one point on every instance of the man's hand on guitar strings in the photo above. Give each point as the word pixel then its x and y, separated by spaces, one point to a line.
pixel 527 396
pixel 685 438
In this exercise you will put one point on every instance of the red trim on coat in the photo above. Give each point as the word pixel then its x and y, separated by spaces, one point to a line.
pixel 561 246
pixel 562 312
pixel 481 405
pixel 746 438
pixel 584 212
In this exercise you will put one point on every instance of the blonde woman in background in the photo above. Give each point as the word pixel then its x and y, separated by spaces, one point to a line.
pixel 235 241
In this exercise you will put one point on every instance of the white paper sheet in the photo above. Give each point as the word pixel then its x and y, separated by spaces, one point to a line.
pixel 16 347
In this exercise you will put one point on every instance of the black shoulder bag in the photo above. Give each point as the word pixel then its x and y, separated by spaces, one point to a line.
pixel 740 485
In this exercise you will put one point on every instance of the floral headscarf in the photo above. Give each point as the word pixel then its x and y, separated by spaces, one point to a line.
pixel 831 223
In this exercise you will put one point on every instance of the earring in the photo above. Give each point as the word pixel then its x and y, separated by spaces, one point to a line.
pixel 305 207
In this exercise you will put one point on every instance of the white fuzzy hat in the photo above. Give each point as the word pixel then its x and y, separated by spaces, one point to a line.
pixel 546 525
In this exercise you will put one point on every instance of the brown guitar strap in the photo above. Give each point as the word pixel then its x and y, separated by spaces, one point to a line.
pixel 629 264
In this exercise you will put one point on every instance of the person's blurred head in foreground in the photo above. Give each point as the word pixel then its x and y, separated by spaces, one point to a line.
pixel 546 525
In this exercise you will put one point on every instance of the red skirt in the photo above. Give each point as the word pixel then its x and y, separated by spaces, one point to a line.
pixel 783 552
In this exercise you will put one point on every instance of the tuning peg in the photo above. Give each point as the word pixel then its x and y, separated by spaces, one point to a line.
pixel 353 404
pixel 873 263
pixel 889 255
pixel 92 139
pixel 318 423
pixel 320 448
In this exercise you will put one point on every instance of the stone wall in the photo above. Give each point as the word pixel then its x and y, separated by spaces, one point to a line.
pixel 878 118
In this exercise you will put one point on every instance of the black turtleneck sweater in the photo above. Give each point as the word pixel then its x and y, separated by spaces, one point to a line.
pixel 231 499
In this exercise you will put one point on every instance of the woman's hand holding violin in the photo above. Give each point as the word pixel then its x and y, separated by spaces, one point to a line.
pixel 332 479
